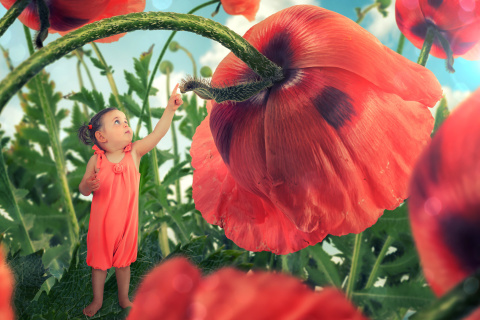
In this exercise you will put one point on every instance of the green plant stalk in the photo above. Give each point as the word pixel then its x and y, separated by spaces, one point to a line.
pixel 381 255
pixel 72 222
pixel 456 304
pixel 80 81
pixel 285 268
pixel 130 22
pixel 363 13
pixel 401 42
pixel 15 10
pixel 80 57
pixel 111 81
pixel 427 45
pixel 176 158
pixel 194 64
pixel 354 267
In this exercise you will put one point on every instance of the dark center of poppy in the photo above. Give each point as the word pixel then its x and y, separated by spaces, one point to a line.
pixel 279 50
pixel 435 3
pixel 463 239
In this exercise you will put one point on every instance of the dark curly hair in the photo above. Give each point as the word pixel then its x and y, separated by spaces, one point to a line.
pixel 86 135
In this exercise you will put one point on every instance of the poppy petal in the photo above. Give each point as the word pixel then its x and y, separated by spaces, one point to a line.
pixel 6 289
pixel 166 292
pixel 231 294
pixel 445 199
pixel 251 221
pixel 247 8
pixel 340 44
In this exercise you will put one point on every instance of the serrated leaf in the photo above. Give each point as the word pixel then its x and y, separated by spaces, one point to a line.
pixel 92 99
pixel 218 259
pixel 97 63
pixel 176 172
pixel 194 250
pixel 325 271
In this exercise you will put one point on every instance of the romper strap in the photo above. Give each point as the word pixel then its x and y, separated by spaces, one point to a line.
pixel 100 154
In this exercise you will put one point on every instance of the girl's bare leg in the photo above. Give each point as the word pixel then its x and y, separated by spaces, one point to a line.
pixel 98 283
pixel 123 284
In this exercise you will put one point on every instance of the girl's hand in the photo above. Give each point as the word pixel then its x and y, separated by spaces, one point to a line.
pixel 175 100
pixel 93 183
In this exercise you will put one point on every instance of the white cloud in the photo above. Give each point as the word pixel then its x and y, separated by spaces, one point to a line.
pixel 384 28
pixel 454 97
pixel 240 25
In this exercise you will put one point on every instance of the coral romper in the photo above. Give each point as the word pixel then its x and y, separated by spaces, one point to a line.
pixel 113 226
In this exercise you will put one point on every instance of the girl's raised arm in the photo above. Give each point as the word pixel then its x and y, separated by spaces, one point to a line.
pixel 143 146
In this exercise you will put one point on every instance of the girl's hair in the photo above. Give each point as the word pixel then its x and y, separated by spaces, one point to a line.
pixel 86 135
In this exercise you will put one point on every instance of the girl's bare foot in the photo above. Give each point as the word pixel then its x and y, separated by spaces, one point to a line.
pixel 92 308
pixel 124 303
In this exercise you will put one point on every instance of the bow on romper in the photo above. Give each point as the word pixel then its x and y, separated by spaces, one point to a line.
pixel 113 226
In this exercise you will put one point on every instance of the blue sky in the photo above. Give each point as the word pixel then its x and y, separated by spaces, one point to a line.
pixel 120 54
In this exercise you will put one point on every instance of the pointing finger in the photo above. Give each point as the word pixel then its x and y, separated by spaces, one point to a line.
pixel 174 92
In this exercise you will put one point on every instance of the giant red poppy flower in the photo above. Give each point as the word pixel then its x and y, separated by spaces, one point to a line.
pixel 67 15
pixel 6 289
pixel 175 290
pixel 324 151
pixel 457 20
pixel 247 8
pixel 445 199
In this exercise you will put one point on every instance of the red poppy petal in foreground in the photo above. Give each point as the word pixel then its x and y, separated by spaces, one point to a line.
pixel 230 294
pixel 6 289
pixel 247 8
pixel 325 150
pixel 65 15
pixel 445 199
pixel 117 8
pixel 166 292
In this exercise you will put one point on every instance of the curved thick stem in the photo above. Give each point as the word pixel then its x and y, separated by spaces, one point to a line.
pixel 15 10
pixel 427 45
pixel 137 21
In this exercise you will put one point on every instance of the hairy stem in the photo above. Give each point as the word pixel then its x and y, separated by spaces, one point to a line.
pixel 137 21
pixel 354 267
pixel 15 10
pixel 381 255
pixel 427 45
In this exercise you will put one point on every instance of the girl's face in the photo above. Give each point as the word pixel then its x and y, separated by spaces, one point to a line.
pixel 116 129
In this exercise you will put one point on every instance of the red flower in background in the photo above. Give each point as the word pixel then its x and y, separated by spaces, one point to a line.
pixel 247 8
pixel 6 290
pixel 445 200
pixel 175 290
pixel 68 15
pixel 457 20
pixel 326 150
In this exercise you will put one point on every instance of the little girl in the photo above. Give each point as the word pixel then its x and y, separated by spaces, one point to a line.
pixel 113 176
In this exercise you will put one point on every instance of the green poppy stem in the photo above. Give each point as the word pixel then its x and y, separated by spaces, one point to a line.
pixel 79 53
pixel 401 42
pixel 137 21
pixel 15 10
pixel 71 217
pixel 352 276
pixel 189 54
pixel 427 45
pixel 111 81
pixel 456 304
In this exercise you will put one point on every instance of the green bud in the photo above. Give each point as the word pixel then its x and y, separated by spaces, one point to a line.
pixel 174 46
pixel 166 67
pixel 206 72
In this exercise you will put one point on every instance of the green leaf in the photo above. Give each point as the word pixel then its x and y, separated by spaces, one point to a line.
pixel 325 271
pixel 175 173
pixel 93 99
pixel 220 258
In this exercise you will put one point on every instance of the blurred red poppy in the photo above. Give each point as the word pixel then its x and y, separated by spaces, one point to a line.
pixel 324 151
pixel 445 199
pixel 457 20
pixel 247 8
pixel 175 290
pixel 6 289
pixel 68 15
